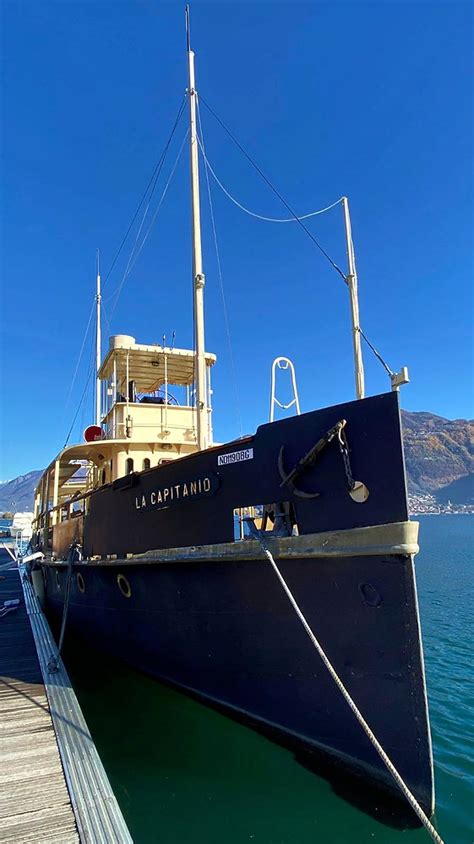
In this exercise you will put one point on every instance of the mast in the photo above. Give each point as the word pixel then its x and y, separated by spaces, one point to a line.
pixel 351 280
pixel 97 347
pixel 198 274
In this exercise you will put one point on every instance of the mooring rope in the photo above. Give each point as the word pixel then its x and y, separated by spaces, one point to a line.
pixel 370 735
pixel 53 662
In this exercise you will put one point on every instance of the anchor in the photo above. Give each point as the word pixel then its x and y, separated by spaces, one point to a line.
pixel 307 461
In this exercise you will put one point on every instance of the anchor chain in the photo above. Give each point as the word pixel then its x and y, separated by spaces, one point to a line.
pixel 344 449
pixel 356 489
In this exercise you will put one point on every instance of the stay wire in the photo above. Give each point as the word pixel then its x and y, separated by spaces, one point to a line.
pixel 376 353
pixel 219 272
pixel 152 177
pixel 294 217
pixel 159 168
pixel 79 406
pixel 161 200
pixel 275 191
pixel 135 253
pixel 80 355
pixel 165 191
pixel 104 314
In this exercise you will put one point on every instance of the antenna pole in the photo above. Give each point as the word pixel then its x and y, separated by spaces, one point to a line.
pixel 98 299
pixel 198 274
pixel 351 280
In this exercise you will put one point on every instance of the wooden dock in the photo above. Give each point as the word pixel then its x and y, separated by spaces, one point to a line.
pixel 53 787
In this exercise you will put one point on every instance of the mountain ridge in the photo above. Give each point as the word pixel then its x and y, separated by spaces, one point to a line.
pixel 17 495
pixel 439 452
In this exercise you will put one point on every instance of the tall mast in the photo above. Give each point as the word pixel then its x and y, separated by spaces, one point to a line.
pixel 351 279
pixel 97 347
pixel 198 274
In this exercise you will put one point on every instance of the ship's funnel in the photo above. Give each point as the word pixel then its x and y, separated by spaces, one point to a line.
pixel 121 341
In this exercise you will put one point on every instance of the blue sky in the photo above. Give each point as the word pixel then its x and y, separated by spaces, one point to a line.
pixel 371 100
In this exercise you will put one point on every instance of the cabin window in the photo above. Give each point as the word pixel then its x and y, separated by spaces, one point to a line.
pixel 146 463
pixel 104 476
pixel 129 465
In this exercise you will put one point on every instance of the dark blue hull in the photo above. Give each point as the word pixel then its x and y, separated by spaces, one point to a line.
pixel 226 631
pixel 166 587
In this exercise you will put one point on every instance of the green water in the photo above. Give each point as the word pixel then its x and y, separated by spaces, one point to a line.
pixel 184 773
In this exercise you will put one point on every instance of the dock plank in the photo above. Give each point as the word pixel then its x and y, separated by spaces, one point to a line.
pixel 34 799
pixel 53 823
pixel 53 787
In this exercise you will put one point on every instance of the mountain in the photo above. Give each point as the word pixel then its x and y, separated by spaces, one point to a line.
pixel 439 456
pixel 17 495
pixel 457 492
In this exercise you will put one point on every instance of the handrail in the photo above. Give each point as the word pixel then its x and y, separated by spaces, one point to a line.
pixel 73 500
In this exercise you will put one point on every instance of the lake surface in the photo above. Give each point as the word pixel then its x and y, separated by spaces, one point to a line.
pixel 185 773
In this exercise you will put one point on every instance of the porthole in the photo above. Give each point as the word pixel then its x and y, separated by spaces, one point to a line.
pixel 58 583
pixel 80 583
pixel 124 585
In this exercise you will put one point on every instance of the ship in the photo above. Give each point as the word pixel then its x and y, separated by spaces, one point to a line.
pixel 153 541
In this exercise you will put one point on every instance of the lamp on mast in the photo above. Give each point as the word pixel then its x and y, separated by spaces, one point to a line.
pixel 198 274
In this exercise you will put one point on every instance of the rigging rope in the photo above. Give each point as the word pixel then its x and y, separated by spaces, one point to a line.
pixel 253 213
pixel 219 272
pixel 352 705
pixel 153 177
pixel 79 406
pixel 80 355
pixel 294 218
pixel 275 191
pixel 104 314
pixel 135 254
pixel 376 353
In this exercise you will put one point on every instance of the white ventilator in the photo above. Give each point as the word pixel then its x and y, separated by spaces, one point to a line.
pixel 283 363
